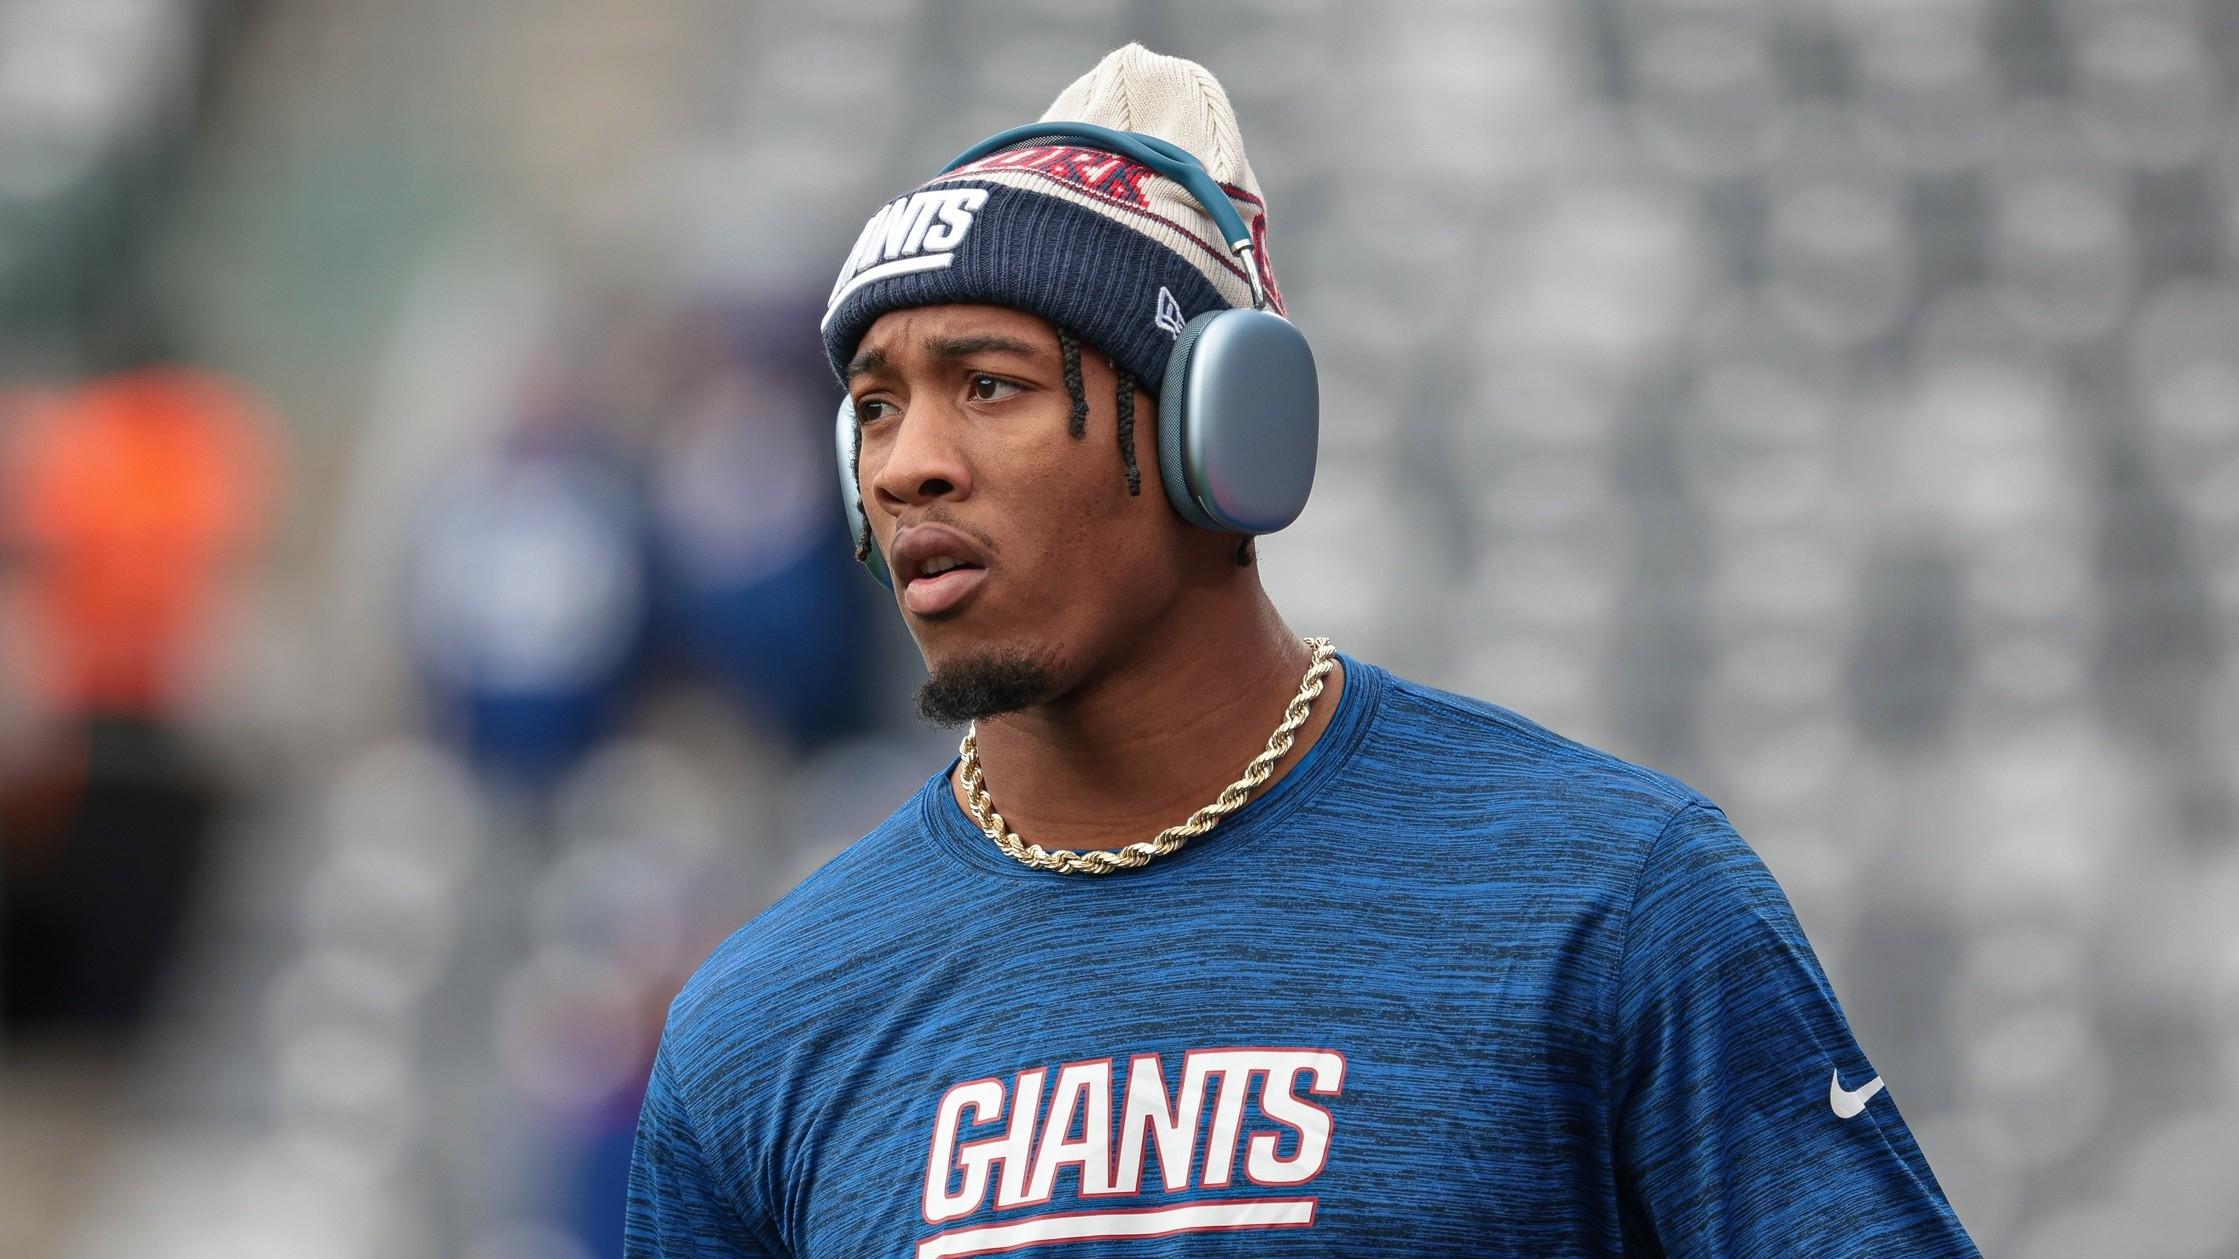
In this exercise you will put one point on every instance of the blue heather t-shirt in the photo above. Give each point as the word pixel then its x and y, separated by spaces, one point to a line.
pixel 1454 986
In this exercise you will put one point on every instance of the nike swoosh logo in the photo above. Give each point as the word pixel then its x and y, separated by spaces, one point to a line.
pixel 1847 1103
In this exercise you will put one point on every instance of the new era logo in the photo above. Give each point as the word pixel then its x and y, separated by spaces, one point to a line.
pixel 1169 315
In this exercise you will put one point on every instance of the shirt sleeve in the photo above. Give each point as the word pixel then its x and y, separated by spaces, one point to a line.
pixel 1748 1120
pixel 678 1206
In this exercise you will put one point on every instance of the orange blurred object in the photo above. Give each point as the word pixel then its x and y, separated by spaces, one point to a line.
pixel 124 503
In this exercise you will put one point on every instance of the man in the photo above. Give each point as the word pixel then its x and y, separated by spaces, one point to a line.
pixel 1427 978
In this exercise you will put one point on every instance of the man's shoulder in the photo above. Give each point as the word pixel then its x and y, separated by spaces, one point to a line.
pixel 1454 752
pixel 1492 810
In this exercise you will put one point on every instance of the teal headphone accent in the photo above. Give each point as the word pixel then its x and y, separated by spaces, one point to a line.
pixel 1239 408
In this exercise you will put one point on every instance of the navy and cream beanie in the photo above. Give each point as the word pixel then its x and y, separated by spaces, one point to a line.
pixel 1091 241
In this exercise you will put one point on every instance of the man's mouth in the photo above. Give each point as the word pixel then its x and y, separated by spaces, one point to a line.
pixel 939 567
pixel 940 586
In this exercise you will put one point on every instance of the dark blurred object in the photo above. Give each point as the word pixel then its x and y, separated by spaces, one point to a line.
pixel 104 843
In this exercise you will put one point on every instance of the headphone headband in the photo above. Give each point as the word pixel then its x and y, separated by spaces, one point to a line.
pixel 1162 156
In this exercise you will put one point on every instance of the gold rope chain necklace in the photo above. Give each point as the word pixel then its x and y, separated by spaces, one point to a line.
pixel 1143 852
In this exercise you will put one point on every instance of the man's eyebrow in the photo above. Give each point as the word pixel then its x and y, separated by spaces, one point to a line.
pixel 947 348
pixel 867 361
pixel 966 347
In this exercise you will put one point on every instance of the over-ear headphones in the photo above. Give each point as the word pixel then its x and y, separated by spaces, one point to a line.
pixel 1239 412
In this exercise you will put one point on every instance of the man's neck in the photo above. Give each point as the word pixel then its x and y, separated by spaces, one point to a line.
pixel 1142 747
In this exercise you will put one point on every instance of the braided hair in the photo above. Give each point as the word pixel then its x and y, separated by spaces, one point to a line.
pixel 1069 348
pixel 1127 430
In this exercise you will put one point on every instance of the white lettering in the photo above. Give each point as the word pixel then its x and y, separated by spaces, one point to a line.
pixel 900 225
pixel 984 1098
pixel 957 209
pixel 1035 1150
pixel 1312 1123
pixel 1173 1124
pixel 908 234
pixel 1083 1089
pixel 1016 1151
pixel 1235 1067
pixel 863 241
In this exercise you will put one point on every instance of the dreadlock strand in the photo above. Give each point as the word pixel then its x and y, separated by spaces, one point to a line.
pixel 1070 346
pixel 1127 431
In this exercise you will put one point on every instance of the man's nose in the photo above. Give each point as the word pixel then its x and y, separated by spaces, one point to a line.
pixel 925 462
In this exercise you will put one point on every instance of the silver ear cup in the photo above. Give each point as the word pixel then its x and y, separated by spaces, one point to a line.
pixel 851 497
pixel 1239 421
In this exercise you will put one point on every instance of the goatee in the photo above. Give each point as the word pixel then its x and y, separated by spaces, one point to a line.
pixel 984 686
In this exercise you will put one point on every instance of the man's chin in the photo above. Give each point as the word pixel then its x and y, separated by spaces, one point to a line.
pixel 985 684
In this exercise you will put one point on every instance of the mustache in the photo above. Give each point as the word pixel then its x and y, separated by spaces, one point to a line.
pixel 938 516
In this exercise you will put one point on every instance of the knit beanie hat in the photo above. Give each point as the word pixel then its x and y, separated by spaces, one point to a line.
pixel 1094 242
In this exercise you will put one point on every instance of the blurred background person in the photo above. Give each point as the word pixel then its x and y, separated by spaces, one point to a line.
pixel 1832 405
pixel 128 505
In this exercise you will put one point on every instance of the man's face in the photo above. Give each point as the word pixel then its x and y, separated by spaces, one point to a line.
pixel 1014 544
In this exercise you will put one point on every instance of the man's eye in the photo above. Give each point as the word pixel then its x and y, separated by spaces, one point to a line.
pixel 986 388
pixel 873 409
